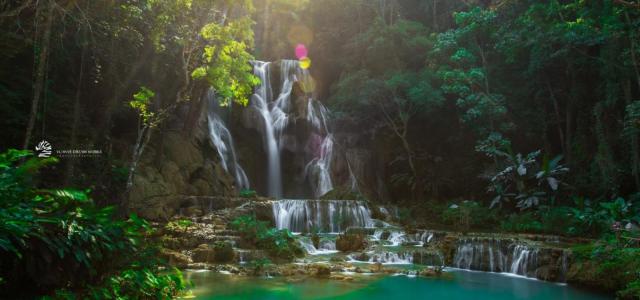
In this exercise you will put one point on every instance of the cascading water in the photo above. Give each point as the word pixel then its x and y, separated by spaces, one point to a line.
pixel 223 142
pixel 276 115
pixel 506 256
pixel 321 215
pixel 318 170
pixel 472 255
pixel 401 258
pixel 324 247
pixel 260 101
pixel 523 257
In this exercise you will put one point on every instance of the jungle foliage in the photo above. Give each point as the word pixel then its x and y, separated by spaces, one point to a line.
pixel 280 244
pixel 58 242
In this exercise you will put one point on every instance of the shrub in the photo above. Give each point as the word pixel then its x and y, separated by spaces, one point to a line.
pixel 524 222
pixel 131 284
pixel 51 239
pixel 468 214
pixel 277 243
pixel 259 265
pixel 247 193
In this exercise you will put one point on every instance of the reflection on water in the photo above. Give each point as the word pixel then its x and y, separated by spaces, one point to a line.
pixel 465 285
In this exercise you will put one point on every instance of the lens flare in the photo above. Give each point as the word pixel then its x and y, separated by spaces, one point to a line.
pixel 305 63
pixel 301 51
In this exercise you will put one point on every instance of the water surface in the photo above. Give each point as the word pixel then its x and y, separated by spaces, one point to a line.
pixel 464 285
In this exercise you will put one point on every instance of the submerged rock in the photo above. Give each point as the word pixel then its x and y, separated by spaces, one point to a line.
pixel 321 270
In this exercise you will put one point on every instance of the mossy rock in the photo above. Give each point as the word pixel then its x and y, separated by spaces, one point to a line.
pixel 321 270
pixel 204 254
pixel 351 242
pixel 223 252
pixel 175 258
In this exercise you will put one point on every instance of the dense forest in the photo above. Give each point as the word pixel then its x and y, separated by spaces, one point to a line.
pixel 465 116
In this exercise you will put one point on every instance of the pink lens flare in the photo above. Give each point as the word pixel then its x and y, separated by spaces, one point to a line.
pixel 301 51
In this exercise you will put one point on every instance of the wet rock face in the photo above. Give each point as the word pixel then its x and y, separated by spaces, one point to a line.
pixel 204 254
pixel 175 258
pixel 223 252
pixel 173 165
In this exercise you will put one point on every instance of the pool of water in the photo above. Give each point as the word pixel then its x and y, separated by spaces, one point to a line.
pixel 464 285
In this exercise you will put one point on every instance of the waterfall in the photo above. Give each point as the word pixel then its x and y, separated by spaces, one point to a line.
pixel 523 257
pixel 564 262
pixel 506 256
pixel 277 113
pixel 485 255
pixel 223 142
pixel 318 170
pixel 321 215
pixel 259 101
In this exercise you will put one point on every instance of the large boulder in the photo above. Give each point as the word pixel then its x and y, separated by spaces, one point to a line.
pixel 351 242
pixel 204 254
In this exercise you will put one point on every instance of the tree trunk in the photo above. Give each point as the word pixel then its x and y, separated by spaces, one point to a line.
pixel 38 82
pixel 635 148
pixel 556 108
pixel 435 15
pixel 410 160
pixel 76 116
pixel 144 136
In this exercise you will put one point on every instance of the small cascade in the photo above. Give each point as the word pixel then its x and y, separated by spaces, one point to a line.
pixel 308 246
pixel 400 258
pixel 318 170
pixel 243 256
pixel 377 234
pixel 483 255
pixel 396 238
pixel 325 246
pixel 223 142
pixel 392 258
pixel 393 238
pixel 322 215
pixel 564 263
pixel 509 256
pixel 523 259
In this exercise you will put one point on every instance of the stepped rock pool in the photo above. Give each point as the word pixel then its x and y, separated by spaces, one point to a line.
pixel 464 285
